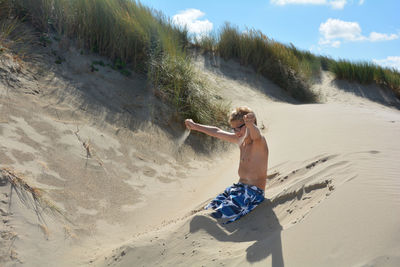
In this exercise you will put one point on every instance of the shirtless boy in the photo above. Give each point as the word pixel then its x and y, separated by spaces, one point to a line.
pixel 242 197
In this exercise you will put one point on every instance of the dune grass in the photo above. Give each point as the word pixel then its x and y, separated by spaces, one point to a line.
pixel 132 35
pixel 184 89
pixel 292 69
pixel 282 64
pixel 13 36
pixel 31 197
pixel 366 73
pixel 123 29
pixel 143 39
pixel 207 42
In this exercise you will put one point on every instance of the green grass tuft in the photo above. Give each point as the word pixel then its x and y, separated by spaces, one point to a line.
pixel 177 83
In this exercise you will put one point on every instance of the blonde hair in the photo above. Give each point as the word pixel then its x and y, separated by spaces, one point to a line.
pixel 239 112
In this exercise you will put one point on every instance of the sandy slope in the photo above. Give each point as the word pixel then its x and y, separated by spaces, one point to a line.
pixel 130 197
pixel 98 157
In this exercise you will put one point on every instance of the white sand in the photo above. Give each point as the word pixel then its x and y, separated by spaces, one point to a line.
pixel 132 194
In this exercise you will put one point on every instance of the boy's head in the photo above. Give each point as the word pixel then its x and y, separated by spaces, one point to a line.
pixel 237 122
pixel 238 113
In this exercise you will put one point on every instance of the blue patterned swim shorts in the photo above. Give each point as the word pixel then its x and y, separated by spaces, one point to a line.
pixel 236 201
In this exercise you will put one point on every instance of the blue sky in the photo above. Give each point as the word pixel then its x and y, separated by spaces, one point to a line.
pixel 357 30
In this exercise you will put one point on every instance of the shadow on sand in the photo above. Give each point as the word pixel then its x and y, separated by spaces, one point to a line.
pixel 373 92
pixel 233 70
pixel 261 226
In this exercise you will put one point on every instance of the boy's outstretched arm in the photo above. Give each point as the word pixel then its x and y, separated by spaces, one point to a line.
pixel 211 131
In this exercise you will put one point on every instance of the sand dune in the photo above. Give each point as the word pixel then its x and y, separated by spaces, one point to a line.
pixel 118 187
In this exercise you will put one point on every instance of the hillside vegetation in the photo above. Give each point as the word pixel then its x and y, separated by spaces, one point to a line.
pixel 132 35
pixel 290 68
pixel 136 37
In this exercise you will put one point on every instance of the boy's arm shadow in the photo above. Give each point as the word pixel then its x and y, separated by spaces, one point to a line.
pixel 261 226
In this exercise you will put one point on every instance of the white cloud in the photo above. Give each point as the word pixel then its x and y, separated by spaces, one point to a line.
pixel 376 36
pixel 336 4
pixel 335 44
pixel 361 2
pixel 334 31
pixel 391 62
pixel 190 19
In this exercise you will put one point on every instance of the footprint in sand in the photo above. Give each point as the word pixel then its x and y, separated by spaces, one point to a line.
pixel 294 206
pixel 303 188
pixel 148 171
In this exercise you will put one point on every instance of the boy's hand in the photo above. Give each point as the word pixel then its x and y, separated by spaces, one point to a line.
pixel 249 118
pixel 190 124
